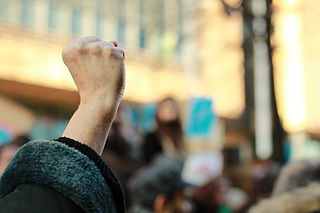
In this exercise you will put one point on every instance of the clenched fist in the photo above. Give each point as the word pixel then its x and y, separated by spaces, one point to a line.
pixel 97 68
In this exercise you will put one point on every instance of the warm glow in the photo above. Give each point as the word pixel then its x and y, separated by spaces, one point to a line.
pixel 221 77
pixel 292 3
pixel 37 61
pixel 294 74
pixel 288 4
pixel 297 61
pixel 289 67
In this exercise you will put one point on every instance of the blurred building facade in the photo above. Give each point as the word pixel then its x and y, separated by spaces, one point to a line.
pixel 166 45
pixel 151 32
pixel 163 40
pixel 33 33
pixel 179 48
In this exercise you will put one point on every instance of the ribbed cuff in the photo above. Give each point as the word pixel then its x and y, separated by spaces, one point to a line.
pixel 110 178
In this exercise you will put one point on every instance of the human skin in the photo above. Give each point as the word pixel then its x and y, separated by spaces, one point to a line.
pixel 97 68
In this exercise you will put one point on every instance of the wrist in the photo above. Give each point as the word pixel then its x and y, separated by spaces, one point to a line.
pixel 103 103
pixel 91 122
pixel 101 107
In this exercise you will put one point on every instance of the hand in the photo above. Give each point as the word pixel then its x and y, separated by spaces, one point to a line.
pixel 97 68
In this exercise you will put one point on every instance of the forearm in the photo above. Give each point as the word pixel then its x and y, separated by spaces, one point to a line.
pixel 90 124
pixel 97 68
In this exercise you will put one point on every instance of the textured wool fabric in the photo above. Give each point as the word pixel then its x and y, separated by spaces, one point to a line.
pixel 62 168
pixel 110 178
pixel 32 198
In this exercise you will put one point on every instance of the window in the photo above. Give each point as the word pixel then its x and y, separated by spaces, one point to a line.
pixel 121 31
pixel 99 23
pixel 179 45
pixel 53 15
pixel 180 39
pixel 27 12
pixel 76 21
pixel 121 28
pixel 142 31
pixel 142 37
pixel 4 8
pixel 161 42
pixel 161 30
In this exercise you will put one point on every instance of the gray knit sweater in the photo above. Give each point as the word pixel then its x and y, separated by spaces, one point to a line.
pixel 67 170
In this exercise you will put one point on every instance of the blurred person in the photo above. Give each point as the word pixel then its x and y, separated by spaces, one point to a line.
pixel 297 190
pixel 168 136
pixel 118 151
pixel 159 188
pixel 8 151
pixel 68 174
pixel 21 140
pixel 210 190
pixel 117 143
pixel 212 197
pixel 265 174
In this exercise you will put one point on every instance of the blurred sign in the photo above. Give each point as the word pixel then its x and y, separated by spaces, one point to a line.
pixel 132 113
pixel 200 118
pixel 6 134
pixel 47 128
pixel 147 119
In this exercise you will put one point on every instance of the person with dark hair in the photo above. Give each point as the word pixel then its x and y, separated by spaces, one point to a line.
pixel 68 175
pixel 211 197
pixel 168 137
pixel 159 188
pixel 297 190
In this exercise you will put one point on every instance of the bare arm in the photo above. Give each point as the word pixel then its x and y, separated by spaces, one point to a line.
pixel 97 68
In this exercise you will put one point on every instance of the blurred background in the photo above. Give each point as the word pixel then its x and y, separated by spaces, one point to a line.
pixel 243 73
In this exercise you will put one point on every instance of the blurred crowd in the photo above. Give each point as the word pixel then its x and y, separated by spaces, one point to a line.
pixel 159 175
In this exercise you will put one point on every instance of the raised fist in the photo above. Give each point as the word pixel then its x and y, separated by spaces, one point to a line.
pixel 97 68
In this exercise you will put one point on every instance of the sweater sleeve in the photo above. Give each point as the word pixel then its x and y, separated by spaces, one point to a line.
pixel 67 170
pixel 110 178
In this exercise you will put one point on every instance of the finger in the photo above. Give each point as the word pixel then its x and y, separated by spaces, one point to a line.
pixel 88 39
pixel 102 44
pixel 95 48
pixel 82 42
pixel 117 51
pixel 115 43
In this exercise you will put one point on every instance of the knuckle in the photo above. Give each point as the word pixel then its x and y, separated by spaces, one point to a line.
pixel 64 52
pixel 118 52
pixel 94 50
pixel 80 48
pixel 67 54
pixel 108 50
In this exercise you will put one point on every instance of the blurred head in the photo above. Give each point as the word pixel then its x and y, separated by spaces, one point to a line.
pixel 7 153
pixel 168 122
pixel 167 111
pixel 21 140
pixel 213 194
pixel 160 188
pixel 176 203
